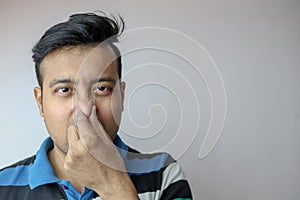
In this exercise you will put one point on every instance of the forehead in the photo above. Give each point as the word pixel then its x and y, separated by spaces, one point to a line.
pixel 80 63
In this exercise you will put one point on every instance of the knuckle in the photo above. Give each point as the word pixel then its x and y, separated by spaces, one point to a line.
pixel 72 157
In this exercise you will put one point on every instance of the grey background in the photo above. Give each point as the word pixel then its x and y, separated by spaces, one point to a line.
pixel 255 45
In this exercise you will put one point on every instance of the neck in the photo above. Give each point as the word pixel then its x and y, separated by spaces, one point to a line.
pixel 57 160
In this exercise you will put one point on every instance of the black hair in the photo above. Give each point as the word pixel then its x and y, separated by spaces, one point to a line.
pixel 80 29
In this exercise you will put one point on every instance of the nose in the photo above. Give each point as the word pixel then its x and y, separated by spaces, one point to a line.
pixel 83 98
pixel 85 106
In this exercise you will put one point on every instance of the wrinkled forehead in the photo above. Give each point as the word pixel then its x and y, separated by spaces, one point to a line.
pixel 80 63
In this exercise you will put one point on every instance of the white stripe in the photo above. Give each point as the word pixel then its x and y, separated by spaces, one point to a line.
pixel 171 174
pixel 150 195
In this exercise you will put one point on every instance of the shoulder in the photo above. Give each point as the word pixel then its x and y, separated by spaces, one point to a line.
pixel 14 179
pixel 14 183
pixel 24 162
pixel 17 173
pixel 157 176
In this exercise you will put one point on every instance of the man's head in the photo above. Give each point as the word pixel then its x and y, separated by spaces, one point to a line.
pixel 81 29
pixel 78 66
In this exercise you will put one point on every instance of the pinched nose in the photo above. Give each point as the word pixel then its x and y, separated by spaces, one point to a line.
pixel 85 105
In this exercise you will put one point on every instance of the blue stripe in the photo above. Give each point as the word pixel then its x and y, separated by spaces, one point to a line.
pixel 142 166
pixel 139 165
pixel 16 176
pixel 31 174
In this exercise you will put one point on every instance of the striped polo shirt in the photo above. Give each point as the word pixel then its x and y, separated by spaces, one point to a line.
pixel 155 176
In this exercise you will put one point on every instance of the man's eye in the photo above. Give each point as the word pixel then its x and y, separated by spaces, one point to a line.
pixel 103 90
pixel 64 90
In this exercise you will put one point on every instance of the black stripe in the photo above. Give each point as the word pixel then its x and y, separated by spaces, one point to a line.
pixel 169 160
pixel 179 189
pixel 132 150
pixel 149 182
pixel 26 161
pixel 49 191
pixel 134 154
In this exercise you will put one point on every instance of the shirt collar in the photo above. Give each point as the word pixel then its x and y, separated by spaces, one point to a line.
pixel 120 144
pixel 42 171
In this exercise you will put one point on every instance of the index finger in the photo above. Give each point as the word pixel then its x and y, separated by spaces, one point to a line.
pixel 98 126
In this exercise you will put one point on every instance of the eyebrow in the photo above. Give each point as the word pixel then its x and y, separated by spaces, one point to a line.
pixel 104 79
pixel 67 80
pixel 58 81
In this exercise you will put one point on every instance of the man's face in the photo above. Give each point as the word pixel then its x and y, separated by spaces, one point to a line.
pixel 78 78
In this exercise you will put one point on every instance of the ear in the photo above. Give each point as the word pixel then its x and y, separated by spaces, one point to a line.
pixel 39 99
pixel 123 85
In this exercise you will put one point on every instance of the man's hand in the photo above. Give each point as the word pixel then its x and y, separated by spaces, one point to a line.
pixel 93 160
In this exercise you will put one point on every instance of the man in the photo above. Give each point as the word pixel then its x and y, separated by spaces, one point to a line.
pixel 80 96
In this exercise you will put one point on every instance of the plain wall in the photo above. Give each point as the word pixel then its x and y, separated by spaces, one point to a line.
pixel 255 46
